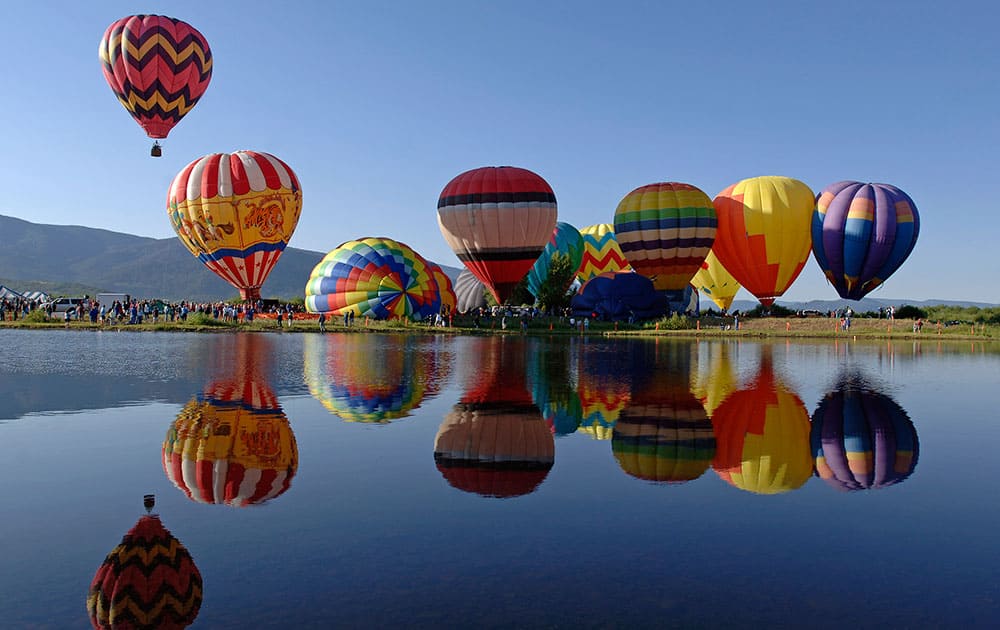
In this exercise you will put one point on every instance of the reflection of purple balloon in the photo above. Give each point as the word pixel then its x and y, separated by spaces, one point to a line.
pixel 861 234
pixel 862 440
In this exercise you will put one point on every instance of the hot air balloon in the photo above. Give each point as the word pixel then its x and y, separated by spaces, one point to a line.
pixel 566 240
pixel 232 444
pixel 762 435
pixel 158 67
pixel 446 289
pixel 861 234
pixel 619 296
pixel 373 277
pixel 665 230
pixel 494 441
pixel 236 213
pixel 497 220
pixel 763 238
pixel 862 439
pixel 714 281
pixel 469 291
pixel 341 374
pixel 148 581
pixel 601 253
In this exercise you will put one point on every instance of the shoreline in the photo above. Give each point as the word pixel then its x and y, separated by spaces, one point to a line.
pixel 751 328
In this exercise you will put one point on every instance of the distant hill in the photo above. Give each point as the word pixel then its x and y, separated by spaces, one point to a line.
pixel 74 260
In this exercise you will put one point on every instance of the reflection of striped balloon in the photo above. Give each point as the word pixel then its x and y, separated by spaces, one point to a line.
pixel 373 277
pixel 665 231
pixel 226 451
pixel 148 581
pixel 236 212
pixel 601 252
pixel 664 442
pixel 496 449
pixel 862 440
pixel 158 67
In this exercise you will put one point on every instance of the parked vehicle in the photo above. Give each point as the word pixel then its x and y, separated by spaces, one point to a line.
pixel 61 305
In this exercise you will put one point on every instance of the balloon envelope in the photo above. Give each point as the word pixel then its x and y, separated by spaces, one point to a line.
pixel 601 253
pixel 373 277
pixel 618 296
pixel 236 213
pixel 862 440
pixel 665 230
pixel 446 289
pixel 861 234
pixel 148 581
pixel 714 281
pixel 764 236
pixel 469 291
pixel 158 67
pixel 497 220
pixel 566 240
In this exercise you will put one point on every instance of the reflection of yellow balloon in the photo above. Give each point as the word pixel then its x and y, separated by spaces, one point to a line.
pixel 762 436
pixel 715 378
pixel 226 452
pixel 714 281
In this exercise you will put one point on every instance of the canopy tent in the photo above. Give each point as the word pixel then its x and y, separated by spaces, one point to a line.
pixel 36 296
pixel 8 294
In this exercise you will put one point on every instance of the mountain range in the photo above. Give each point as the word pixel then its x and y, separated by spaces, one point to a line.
pixel 75 260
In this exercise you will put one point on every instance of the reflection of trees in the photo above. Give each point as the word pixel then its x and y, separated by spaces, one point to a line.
pixel 552 387
pixel 862 439
pixel 762 433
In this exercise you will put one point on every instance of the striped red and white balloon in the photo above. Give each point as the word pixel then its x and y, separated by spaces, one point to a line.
pixel 236 212
pixel 497 220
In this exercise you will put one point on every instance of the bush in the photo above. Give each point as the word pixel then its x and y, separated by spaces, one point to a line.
pixel 910 312
pixel 204 319
pixel 675 322
pixel 37 317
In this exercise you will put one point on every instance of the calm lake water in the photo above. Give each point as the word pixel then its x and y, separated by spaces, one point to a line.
pixel 357 480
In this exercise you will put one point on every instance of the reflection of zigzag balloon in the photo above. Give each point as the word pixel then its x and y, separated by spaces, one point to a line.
pixel 148 581
pixel 601 252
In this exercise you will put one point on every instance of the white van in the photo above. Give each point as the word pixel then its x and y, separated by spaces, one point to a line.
pixel 61 305
pixel 107 299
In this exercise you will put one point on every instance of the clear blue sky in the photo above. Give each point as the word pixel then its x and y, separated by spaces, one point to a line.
pixel 377 105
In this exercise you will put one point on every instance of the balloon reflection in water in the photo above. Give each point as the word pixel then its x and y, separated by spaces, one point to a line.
pixel 148 581
pixel 862 439
pixel 715 378
pixel 552 388
pixel 763 436
pixel 603 385
pixel 494 441
pixel 373 379
pixel 233 444
pixel 664 434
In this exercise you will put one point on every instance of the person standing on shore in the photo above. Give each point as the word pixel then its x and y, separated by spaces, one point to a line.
pixel 322 322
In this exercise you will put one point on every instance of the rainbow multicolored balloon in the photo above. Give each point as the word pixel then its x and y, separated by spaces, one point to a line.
pixel 861 234
pixel 158 67
pixel 373 277
pixel 665 230
pixel 236 213
pixel 497 220
pixel 601 253
pixel 449 301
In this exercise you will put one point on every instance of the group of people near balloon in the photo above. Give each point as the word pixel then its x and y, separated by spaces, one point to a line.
pixel 236 212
